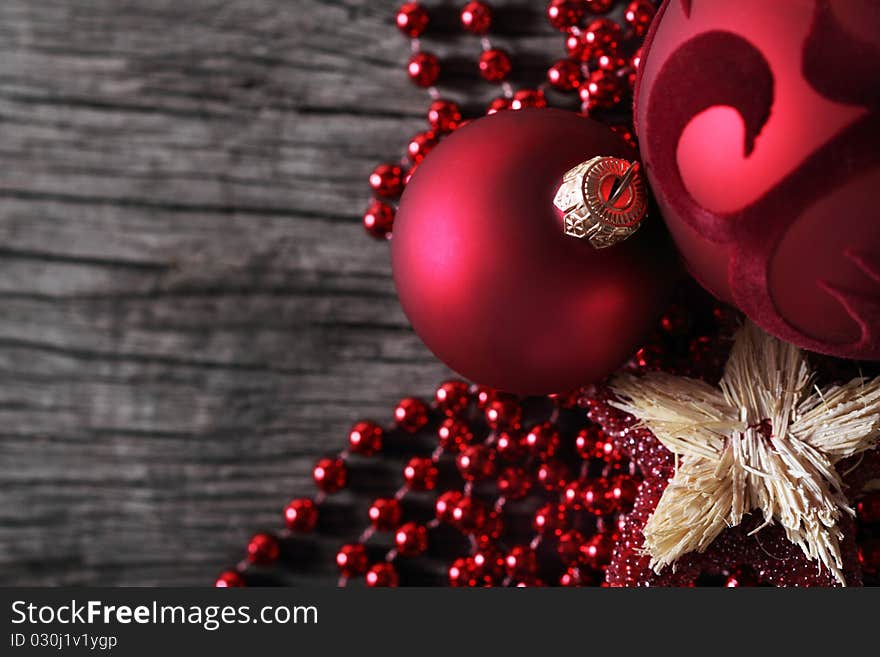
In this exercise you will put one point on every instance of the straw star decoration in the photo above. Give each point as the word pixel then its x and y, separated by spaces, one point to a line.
pixel 765 440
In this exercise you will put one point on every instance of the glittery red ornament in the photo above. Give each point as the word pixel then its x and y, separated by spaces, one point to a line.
pixel 476 462
pixel 445 505
pixel 565 14
pixel 521 561
pixel 565 75
pixel 542 439
pixel 420 473
pixel 479 246
pixel 387 180
pixel 764 160
pixel 513 483
pixel 452 397
pixel 454 434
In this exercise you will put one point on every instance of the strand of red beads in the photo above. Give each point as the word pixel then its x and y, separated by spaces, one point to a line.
pixel 600 65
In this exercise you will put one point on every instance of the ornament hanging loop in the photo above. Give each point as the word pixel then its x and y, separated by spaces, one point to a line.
pixel 603 200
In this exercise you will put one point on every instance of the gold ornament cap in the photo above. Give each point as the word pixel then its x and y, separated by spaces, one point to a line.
pixel 603 200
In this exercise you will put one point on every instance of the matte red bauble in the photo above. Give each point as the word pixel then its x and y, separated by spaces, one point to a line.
pixel 487 276
pixel 759 125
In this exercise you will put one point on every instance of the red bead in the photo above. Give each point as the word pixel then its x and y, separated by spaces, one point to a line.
pixel 454 434
pixel 385 513
pixel 476 17
pixel 592 443
pixel 229 579
pixel 387 180
pixel 565 14
pixel 610 62
pixel 463 572
pixel 527 582
pixel 423 69
pixel 352 559
pixel 868 508
pixel 489 565
pixel 550 519
pixel 498 105
pixel 596 552
pixel 565 75
pixel 597 497
pixel 469 514
pixel 301 515
pixel 521 562
pixel 602 37
pixel 575 47
pixel 483 395
pixel 379 219
pixel 553 475
pixel 528 98
pixel 489 532
pixel 476 462
pixel 382 574
pixel 420 473
pixel 542 440
pixel 330 475
pixel 411 414
pixel 494 64
pixel 452 396
pixel 445 505
pixel 599 6
pixel 569 547
pixel 503 411
pixel 510 446
pixel 602 90
pixel 639 14
pixel 573 494
pixel 411 539
pixel 623 491
pixel 444 115
pixel 412 19
pixel 513 483
pixel 263 549
pixel 420 145
pixel 365 438
pixel 575 576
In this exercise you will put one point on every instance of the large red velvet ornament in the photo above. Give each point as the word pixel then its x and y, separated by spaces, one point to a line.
pixel 759 125
pixel 488 278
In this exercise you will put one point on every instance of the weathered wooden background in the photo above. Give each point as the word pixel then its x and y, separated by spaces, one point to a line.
pixel 191 312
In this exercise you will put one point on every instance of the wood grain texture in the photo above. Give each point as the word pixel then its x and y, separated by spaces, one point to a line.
pixel 190 312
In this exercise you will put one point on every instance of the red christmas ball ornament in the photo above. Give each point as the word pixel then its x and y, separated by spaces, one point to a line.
pixel 764 160
pixel 479 248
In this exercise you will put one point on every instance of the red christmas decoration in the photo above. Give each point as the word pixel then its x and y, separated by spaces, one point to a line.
pixel 451 270
pixel 749 182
